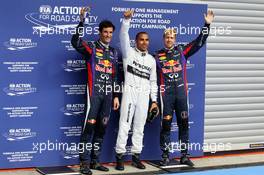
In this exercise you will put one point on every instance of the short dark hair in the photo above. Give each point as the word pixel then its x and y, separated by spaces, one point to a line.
pixel 106 24
pixel 140 33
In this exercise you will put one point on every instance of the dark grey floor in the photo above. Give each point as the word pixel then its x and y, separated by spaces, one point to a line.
pixel 200 164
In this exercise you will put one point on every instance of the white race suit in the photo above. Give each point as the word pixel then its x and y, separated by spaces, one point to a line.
pixel 140 84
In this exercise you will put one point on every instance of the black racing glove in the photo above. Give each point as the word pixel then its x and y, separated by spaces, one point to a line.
pixel 152 114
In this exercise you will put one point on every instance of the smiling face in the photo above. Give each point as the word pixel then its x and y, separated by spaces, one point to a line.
pixel 169 38
pixel 106 35
pixel 142 42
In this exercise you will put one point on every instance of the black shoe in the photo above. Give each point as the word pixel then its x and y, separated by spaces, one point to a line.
pixel 136 162
pixel 84 168
pixel 119 162
pixel 165 159
pixel 98 166
pixel 186 160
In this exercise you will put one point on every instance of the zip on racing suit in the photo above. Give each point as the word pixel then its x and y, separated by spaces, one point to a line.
pixel 171 68
pixel 102 65
pixel 140 83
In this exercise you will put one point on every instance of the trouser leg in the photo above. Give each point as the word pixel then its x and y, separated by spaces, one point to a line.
pixel 126 117
pixel 101 125
pixel 88 129
pixel 140 117
pixel 183 123
pixel 168 106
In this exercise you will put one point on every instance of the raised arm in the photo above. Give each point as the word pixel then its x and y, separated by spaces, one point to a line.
pixel 124 36
pixel 115 73
pixel 195 45
pixel 77 43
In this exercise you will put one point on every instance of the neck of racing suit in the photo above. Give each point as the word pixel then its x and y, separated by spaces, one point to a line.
pixel 141 53
pixel 103 44
pixel 172 47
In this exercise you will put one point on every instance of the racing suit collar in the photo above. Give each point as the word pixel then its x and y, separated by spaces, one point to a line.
pixel 169 49
pixel 103 44
pixel 142 53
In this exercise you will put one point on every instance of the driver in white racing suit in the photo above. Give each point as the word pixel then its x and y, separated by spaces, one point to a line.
pixel 140 84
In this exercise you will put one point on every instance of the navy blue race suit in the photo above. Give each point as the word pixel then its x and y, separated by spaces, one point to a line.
pixel 101 61
pixel 171 68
